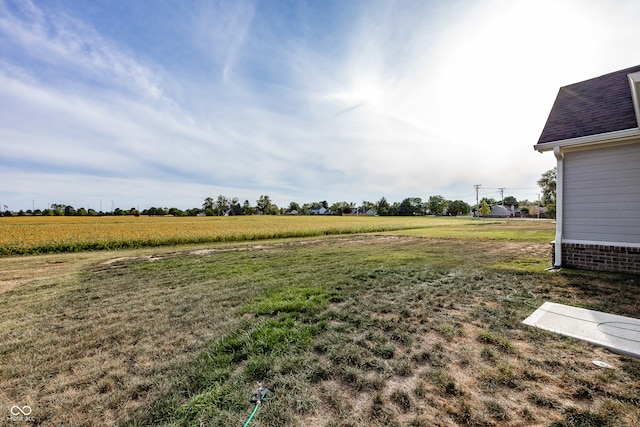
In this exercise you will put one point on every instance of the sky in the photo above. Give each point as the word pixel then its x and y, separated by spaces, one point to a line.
pixel 164 103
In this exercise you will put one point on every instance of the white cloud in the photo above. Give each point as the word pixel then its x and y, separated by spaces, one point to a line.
pixel 58 40
pixel 220 33
pixel 407 100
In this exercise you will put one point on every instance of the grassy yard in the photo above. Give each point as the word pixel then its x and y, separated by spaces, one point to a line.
pixel 420 327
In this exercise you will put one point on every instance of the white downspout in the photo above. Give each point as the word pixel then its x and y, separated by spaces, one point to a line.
pixel 559 204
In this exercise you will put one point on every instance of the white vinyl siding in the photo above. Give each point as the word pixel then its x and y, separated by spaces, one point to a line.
pixel 602 194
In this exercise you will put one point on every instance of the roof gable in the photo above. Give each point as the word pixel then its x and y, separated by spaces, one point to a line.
pixel 599 105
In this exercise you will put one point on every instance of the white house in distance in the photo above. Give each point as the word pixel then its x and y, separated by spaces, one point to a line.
pixel 593 132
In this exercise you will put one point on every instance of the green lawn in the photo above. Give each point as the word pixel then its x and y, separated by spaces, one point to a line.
pixel 419 327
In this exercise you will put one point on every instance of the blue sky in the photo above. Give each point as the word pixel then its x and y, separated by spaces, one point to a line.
pixel 165 103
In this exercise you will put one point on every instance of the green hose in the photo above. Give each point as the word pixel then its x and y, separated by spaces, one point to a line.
pixel 255 409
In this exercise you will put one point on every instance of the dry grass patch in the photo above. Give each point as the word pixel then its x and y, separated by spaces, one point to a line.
pixel 347 331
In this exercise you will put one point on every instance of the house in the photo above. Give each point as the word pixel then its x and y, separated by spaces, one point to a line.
pixel 499 211
pixel 593 133
pixel 319 211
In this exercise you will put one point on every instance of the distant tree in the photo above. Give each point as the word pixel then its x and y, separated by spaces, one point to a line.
pixel 550 210
pixel 58 209
pixel 264 205
pixel 81 212
pixel 458 207
pixel 234 207
pixel 348 207
pixel 437 205
pixel 293 206
pixel 382 207
pixel 340 208
pixel 221 206
pixel 247 209
pixel 547 184
pixel 172 211
pixel 484 208
pixel 511 201
pixel 155 211
pixel 410 206
pixel 366 206
pixel 193 211
pixel 394 209
pixel 207 206
pixel 490 201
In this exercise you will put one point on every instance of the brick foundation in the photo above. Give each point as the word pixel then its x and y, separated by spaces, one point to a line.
pixel 599 257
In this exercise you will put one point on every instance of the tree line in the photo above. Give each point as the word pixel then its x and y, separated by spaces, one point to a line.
pixel 230 206
pixel 411 206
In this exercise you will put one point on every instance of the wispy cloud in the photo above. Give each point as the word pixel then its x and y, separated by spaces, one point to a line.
pixel 224 29
pixel 74 51
pixel 303 101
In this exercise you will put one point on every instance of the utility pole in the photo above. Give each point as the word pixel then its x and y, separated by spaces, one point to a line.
pixel 477 202
pixel 502 194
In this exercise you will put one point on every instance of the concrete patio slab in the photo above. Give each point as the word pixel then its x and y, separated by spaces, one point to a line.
pixel 619 334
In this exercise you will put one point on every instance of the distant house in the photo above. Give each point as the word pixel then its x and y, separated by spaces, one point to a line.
pixel 593 132
pixel 499 211
pixel 504 211
pixel 319 211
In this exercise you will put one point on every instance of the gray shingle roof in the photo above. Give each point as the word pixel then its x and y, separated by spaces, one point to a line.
pixel 599 105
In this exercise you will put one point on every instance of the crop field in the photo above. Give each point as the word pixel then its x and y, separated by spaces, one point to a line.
pixel 418 325
pixel 30 235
